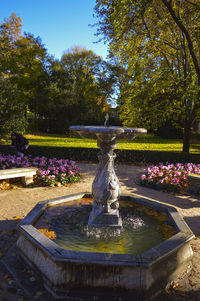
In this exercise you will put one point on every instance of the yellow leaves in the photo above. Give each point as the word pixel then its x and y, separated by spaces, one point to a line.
pixel 167 231
pixel 17 217
pixel 47 233
pixel 173 286
pixel 85 201
pixel 160 216
pixel 2 141
pixel 26 75
pixel 124 204
pixel 185 185
pixel 8 184
pixel 4 185
pixel 58 184
pixel 103 247
pixel 176 285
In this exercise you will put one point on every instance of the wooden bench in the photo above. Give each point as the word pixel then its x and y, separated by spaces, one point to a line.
pixel 25 173
pixel 194 183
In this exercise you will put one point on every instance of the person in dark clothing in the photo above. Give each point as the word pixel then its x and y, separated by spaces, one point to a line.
pixel 19 143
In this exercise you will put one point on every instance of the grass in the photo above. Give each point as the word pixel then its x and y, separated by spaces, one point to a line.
pixel 141 142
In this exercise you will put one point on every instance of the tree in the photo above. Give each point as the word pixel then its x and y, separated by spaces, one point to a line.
pixel 91 85
pixel 159 43
pixel 22 59
pixel 27 63
pixel 10 32
pixel 75 90
pixel 11 109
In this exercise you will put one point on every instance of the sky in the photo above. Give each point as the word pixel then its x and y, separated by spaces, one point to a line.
pixel 61 24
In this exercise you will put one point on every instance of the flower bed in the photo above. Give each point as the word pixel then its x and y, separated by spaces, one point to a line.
pixel 51 172
pixel 169 177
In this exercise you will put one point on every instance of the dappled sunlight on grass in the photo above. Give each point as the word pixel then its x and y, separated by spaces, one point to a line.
pixel 167 146
pixel 61 141
pixel 141 142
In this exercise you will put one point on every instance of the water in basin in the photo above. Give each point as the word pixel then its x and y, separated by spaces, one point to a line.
pixel 67 224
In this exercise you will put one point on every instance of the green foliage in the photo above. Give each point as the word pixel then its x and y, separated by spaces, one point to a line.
pixel 10 31
pixel 21 63
pixel 27 63
pixel 74 90
pixel 158 44
pixel 11 109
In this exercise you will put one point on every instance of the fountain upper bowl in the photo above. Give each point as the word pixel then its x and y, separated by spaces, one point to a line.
pixel 117 132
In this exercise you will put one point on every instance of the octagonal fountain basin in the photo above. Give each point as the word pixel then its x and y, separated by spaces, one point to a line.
pixel 80 262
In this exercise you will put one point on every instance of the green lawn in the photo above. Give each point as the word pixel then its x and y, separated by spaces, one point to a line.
pixel 141 142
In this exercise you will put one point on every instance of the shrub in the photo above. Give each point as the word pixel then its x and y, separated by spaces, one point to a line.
pixel 90 154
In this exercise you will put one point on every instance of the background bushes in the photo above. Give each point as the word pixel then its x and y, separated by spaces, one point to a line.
pixel 90 154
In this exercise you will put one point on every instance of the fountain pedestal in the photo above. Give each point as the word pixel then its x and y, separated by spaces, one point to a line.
pixel 105 188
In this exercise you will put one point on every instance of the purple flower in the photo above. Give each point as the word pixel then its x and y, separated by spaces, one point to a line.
pixel 169 174
pixel 49 171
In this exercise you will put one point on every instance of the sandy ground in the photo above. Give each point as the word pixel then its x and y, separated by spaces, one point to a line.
pixel 15 204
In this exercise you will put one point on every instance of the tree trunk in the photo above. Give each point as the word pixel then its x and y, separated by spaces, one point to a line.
pixel 186 137
pixel 25 113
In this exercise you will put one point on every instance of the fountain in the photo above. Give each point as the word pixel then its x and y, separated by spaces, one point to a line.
pixel 79 274
pixel 105 188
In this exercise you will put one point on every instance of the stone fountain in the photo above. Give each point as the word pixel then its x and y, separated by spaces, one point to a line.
pixel 105 188
pixel 91 275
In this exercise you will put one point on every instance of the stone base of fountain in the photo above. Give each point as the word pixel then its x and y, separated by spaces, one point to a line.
pixel 105 276
pixel 105 219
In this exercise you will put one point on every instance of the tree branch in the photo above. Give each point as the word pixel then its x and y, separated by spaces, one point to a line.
pixel 186 33
pixel 190 2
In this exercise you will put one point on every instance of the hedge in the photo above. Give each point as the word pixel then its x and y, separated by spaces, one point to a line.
pixel 90 154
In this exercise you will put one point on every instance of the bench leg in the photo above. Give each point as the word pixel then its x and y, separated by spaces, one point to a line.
pixel 27 180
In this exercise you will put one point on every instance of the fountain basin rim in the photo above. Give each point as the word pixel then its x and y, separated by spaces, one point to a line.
pixel 146 259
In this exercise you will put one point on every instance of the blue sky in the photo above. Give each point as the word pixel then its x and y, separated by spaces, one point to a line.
pixel 61 24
